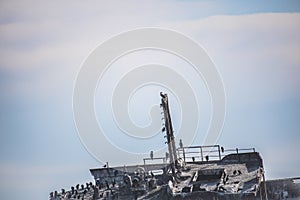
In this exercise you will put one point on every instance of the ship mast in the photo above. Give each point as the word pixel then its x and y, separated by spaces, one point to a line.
pixel 169 132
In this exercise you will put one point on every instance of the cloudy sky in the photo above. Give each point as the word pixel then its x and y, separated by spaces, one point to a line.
pixel 254 45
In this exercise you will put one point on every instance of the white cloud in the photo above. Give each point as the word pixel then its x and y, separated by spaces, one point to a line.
pixel 248 49
pixel 257 52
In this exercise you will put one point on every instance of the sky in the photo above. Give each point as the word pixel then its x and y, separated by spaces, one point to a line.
pixel 254 45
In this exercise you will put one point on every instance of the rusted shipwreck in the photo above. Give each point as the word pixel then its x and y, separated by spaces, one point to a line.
pixel 186 172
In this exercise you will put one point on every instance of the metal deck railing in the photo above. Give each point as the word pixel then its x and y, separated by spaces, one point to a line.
pixel 208 153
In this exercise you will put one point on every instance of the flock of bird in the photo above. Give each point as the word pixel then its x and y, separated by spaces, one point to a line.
pixel 89 191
